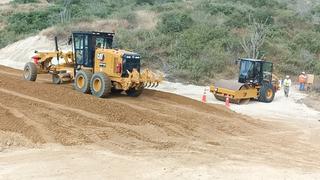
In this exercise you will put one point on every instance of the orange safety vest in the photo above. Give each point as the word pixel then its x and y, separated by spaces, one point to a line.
pixel 302 78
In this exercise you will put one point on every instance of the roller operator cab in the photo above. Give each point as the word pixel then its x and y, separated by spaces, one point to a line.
pixel 255 81
pixel 255 71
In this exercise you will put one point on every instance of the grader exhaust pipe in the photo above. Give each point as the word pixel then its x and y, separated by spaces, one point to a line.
pixel 57 48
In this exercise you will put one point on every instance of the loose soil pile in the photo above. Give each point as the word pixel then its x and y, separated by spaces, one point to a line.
pixel 37 113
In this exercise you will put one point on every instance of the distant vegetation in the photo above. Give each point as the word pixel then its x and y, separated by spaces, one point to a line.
pixel 25 1
pixel 193 40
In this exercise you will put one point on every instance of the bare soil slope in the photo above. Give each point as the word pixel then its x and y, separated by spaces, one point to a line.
pixel 17 54
pixel 37 113
pixel 44 112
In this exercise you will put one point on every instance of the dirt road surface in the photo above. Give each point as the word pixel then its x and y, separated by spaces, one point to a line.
pixel 51 131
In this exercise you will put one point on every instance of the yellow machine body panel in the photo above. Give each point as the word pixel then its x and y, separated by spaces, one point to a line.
pixel 106 60
pixel 94 66
pixel 242 93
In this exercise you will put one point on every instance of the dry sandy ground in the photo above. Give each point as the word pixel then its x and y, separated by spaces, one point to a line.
pixel 53 132
pixel 5 1
pixel 313 101
pixel 290 109
pixel 17 54
pixel 146 19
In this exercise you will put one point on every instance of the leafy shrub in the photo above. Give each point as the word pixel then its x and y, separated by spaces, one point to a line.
pixel 140 2
pixel 174 22
pixel 263 15
pixel 25 1
pixel 263 3
pixel 23 23
pixel 308 40
pixel 216 8
pixel 195 40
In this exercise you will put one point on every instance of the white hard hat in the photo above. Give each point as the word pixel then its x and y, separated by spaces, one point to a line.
pixel 303 72
pixel 287 76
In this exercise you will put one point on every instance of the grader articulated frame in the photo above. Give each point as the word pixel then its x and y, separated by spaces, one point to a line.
pixel 94 66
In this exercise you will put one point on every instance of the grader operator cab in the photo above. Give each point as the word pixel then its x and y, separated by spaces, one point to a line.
pixel 256 81
pixel 94 66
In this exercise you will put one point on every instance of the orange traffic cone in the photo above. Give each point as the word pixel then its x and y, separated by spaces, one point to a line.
pixel 227 101
pixel 204 96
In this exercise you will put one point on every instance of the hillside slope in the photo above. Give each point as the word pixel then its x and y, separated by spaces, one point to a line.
pixel 190 40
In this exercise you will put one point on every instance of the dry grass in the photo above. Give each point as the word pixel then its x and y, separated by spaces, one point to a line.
pixel 16 8
pixel 99 25
pixel 146 19
pixel 2 25
pixel 5 1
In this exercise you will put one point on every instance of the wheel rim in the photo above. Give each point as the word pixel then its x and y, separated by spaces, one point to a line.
pixel 97 85
pixel 269 93
pixel 56 79
pixel 26 72
pixel 80 82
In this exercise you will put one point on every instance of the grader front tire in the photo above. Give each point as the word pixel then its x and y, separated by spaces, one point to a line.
pixel 100 85
pixel 82 81
pixel 30 72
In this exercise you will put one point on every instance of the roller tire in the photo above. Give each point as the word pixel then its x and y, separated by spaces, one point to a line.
pixel 30 71
pixel 100 85
pixel 132 92
pixel 266 93
pixel 220 98
pixel 82 81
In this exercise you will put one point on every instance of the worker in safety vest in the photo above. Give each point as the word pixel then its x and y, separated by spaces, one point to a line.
pixel 286 85
pixel 302 81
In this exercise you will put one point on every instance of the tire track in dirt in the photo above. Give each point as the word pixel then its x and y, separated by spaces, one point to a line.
pixel 119 128
pixel 55 105
pixel 153 122
pixel 11 124
pixel 39 78
pixel 38 127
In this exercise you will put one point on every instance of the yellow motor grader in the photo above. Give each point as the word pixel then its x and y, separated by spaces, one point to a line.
pixel 94 66
pixel 256 81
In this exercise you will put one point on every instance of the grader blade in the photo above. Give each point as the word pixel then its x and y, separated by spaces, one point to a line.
pixel 150 79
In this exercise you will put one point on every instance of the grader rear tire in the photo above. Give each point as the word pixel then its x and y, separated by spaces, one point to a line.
pixel 266 93
pixel 100 85
pixel 82 81
pixel 30 72
pixel 133 92
pixel 56 79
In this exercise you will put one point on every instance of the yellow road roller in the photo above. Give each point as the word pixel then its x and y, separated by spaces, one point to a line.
pixel 256 81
